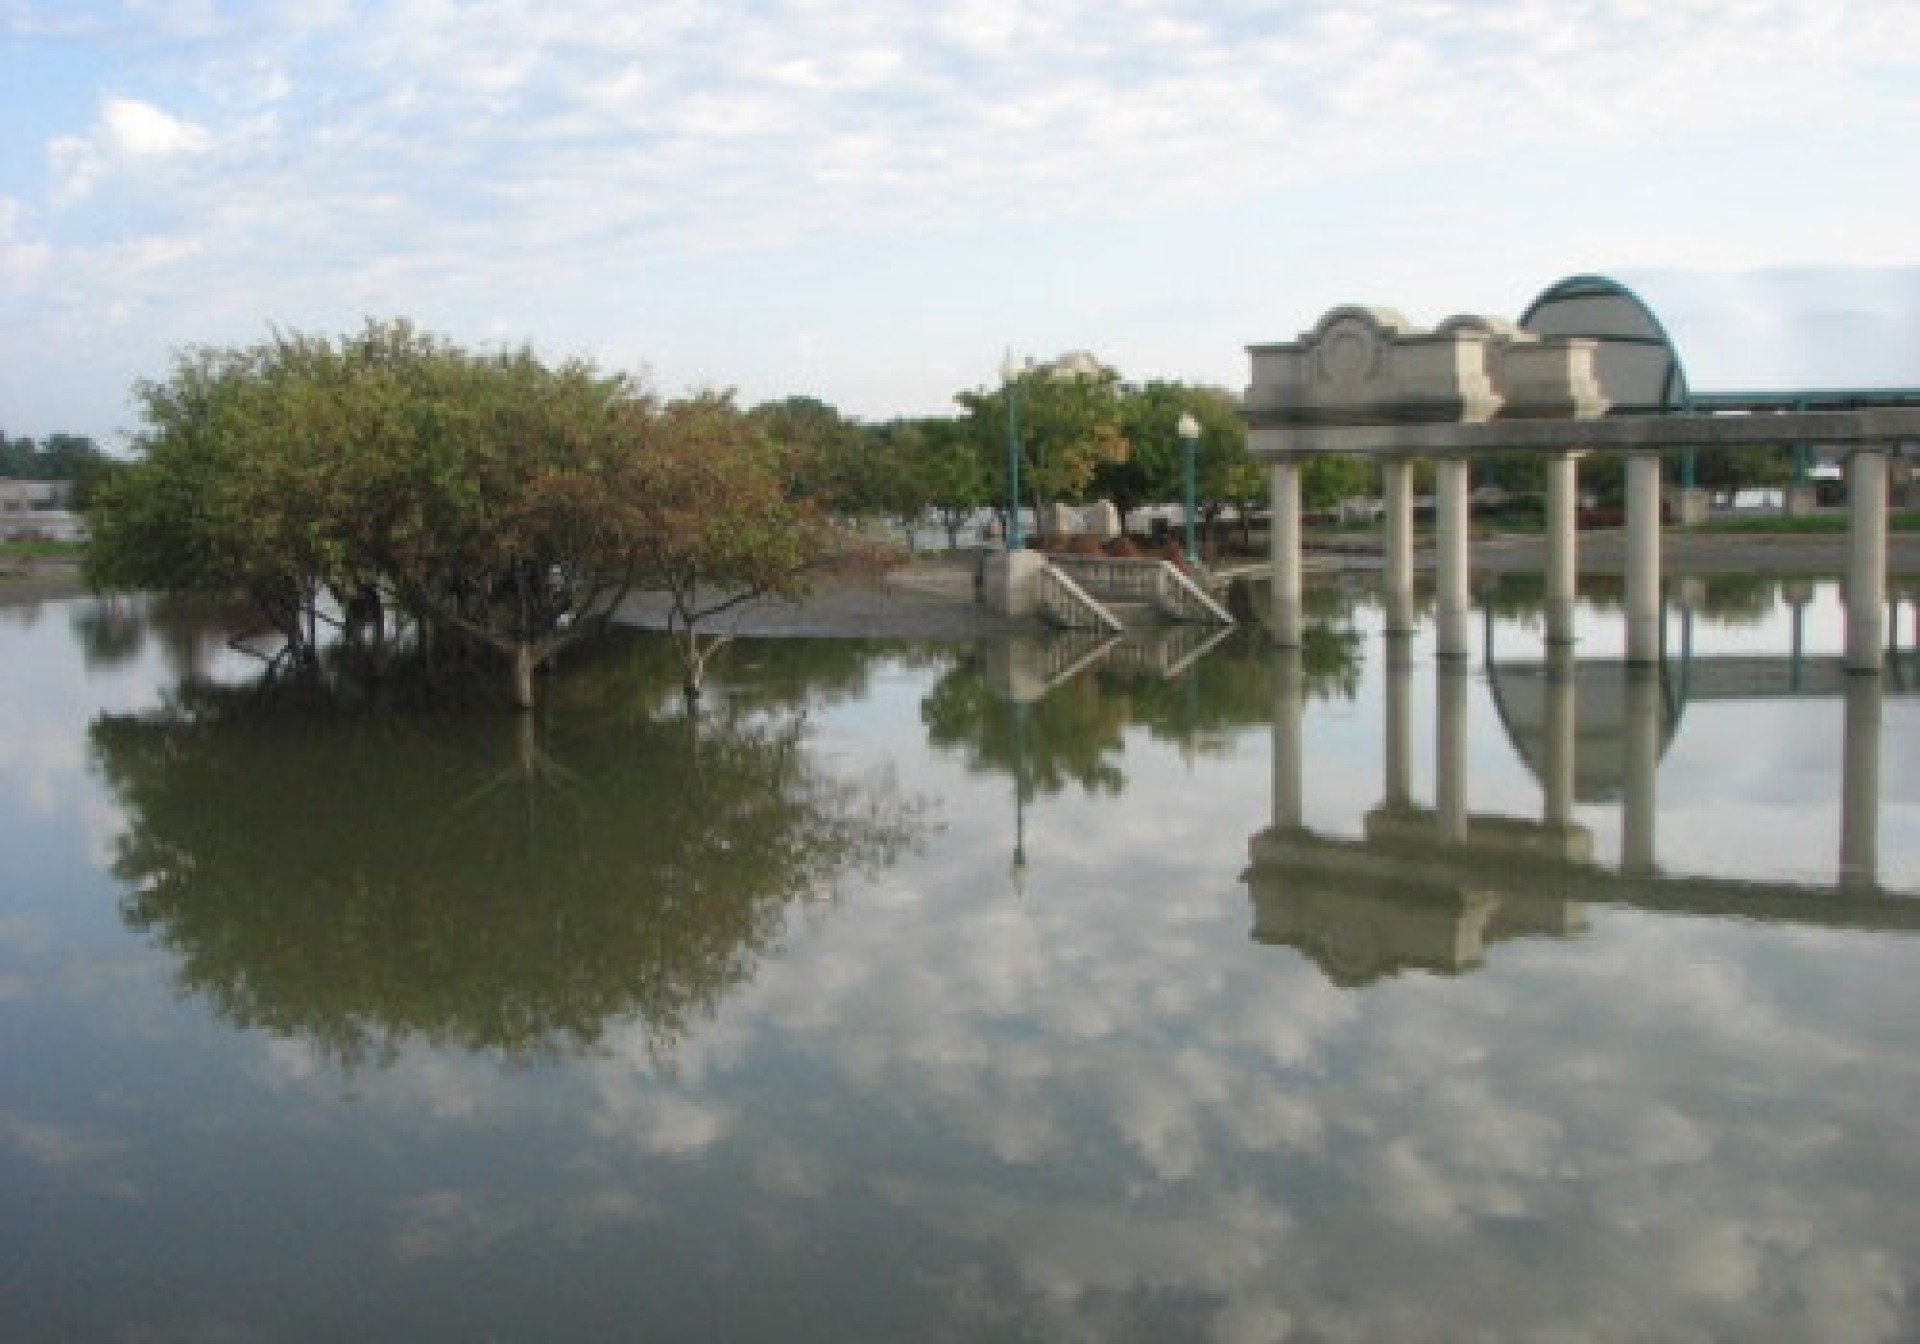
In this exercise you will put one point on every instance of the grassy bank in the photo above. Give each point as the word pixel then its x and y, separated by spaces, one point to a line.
pixel 1905 520
pixel 73 551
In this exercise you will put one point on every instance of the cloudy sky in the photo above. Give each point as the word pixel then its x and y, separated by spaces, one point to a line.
pixel 870 200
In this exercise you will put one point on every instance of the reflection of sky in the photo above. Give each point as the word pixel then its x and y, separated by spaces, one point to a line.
pixel 1090 1109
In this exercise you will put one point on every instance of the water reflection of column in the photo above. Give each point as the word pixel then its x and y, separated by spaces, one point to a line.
pixel 1289 706
pixel 1866 560
pixel 1797 595
pixel 1397 563
pixel 1642 758
pixel 1643 558
pixel 1286 554
pixel 1860 786
pixel 1397 786
pixel 1450 750
pixel 1451 580
pixel 1562 545
pixel 1562 723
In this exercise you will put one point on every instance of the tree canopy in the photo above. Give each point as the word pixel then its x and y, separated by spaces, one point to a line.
pixel 396 485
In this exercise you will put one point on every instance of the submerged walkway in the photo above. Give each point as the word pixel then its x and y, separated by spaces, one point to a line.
pixel 929 600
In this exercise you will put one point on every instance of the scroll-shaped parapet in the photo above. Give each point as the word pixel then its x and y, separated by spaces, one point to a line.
pixel 1370 366
pixel 1362 366
pixel 1535 377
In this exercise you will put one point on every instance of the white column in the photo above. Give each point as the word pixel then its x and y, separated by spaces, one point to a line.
pixel 1642 758
pixel 1563 576
pixel 1397 562
pixel 1289 705
pixel 1452 520
pixel 1450 809
pixel 1397 786
pixel 1643 559
pixel 1866 560
pixel 1562 736
pixel 1860 786
pixel 1286 554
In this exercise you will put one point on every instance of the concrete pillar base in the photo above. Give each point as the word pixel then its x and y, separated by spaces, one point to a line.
pixel 1689 507
pixel 1799 501
pixel 1011 582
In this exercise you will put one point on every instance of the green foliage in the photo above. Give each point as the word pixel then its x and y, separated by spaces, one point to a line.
pixel 1152 470
pixel 1068 423
pixel 59 457
pixel 824 452
pixel 392 483
pixel 1329 478
pixel 1899 520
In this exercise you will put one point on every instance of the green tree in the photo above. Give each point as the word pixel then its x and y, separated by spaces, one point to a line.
pixel 716 526
pixel 1328 478
pixel 391 484
pixel 1069 424
pixel 939 465
pixel 1225 475
pixel 824 452
pixel 333 481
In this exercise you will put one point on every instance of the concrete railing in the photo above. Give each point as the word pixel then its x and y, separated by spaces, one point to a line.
pixel 1184 600
pixel 1064 602
pixel 1158 583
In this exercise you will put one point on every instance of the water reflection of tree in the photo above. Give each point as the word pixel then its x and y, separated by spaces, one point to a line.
pixel 769 674
pixel 1072 736
pixel 1076 733
pixel 1730 599
pixel 358 880
pixel 112 631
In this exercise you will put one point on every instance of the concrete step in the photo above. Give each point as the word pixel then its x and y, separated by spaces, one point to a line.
pixel 1132 614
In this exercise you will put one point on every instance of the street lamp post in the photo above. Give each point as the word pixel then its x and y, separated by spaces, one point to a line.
pixel 1010 384
pixel 1189 441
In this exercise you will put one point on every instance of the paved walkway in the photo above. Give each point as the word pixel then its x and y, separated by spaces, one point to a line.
pixel 924 601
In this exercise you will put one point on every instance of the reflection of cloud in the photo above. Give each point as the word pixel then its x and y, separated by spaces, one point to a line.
pixel 442 1224
pixel 665 1123
pixel 55 1145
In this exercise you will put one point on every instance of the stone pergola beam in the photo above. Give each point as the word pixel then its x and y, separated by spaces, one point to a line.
pixel 1868 427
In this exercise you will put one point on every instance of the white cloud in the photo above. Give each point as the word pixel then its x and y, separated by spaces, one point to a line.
pixel 909 188
pixel 128 136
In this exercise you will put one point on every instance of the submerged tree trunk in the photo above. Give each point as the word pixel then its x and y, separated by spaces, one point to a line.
pixel 523 664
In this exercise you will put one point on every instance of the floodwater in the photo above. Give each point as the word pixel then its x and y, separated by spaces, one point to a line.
pixel 919 992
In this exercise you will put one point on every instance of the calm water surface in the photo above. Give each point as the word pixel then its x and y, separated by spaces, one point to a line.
pixel 929 992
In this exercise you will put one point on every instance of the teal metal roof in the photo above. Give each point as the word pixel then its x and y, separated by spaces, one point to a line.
pixel 1829 336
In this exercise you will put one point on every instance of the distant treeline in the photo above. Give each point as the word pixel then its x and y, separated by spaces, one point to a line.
pixel 58 457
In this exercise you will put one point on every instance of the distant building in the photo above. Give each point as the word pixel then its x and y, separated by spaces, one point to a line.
pixel 36 510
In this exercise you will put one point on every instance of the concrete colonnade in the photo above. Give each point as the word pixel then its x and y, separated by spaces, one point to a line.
pixel 1866 577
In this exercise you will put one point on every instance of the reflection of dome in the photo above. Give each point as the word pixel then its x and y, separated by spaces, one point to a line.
pixel 1601 730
